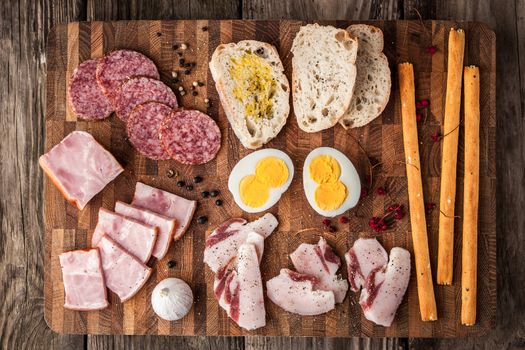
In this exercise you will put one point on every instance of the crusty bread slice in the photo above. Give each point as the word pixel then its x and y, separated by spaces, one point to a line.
pixel 253 128
pixel 373 83
pixel 323 75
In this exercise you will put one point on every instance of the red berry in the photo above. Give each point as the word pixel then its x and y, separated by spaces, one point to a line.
pixel 326 222
pixel 431 50
pixel 343 220
pixel 373 221
pixel 364 192
pixel 436 137
pixel 425 103
pixel 418 105
pixel 381 191
pixel 398 216
pixel 430 205
pixel 332 228
pixel 419 117
pixel 384 227
pixel 393 207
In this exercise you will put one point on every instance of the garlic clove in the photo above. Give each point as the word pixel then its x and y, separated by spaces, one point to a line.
pixel 172 299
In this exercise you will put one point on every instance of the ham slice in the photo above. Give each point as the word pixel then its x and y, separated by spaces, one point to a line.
pixel 83 280
pixel 165 226
pixel 295 292
pixel 80 167
pixel 383 282
pixel 223 243
pixel 167 204
pixel 124 274
pixel 320 261
pixel 385 288
pixel 238 288
pixel 366 255
pixel 136 238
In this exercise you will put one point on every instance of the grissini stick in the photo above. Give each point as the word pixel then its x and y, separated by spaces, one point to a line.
pixel 425 288
pixel 469 255
pixel 447 198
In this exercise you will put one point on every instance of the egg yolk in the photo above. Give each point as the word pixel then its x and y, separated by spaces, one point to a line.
pixel 254 85
pixel 254 193
pixel 272 171
pixel 330 196
pixel 324 169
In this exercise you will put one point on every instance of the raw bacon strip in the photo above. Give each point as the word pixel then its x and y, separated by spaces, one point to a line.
pixel 167 204
pixel 238 287
pixel 143 129
pixel 385 288
pixel 124 274
pixel 80 167
pixel 83 280
pixel 223 243
pixel 165 225
pixel 137 238
pixel 366 255
pixel 295 292
pixel 120 65
pixel 190 137
pixel 136 91
pixel 85 96
pixel 320 261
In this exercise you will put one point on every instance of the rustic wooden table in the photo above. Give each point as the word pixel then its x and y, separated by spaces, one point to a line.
pixel 24 26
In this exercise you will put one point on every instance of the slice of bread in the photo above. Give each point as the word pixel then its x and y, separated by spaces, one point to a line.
pixel 323 75
pixel 254 92
pixel 373 83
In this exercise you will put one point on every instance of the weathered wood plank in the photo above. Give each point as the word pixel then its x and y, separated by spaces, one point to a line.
pixel 509 24
pixel 24 26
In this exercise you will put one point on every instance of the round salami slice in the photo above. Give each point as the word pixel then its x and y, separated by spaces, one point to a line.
pixel 136 91
pixel 190 137
pixel 120 65
pixel 85 96
pixel 143 129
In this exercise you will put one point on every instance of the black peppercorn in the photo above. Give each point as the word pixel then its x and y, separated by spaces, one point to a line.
pixel 175 47
pixel 332 229
pixel 181 61
pixel 214 193
pixel 171 264
pixel 204 29
pixel 197 179
pixel 202 219
pixel 159 33
pixel 187 72
pixel 218 202
pixel 180 183
pixel 194 93
pixel 205 194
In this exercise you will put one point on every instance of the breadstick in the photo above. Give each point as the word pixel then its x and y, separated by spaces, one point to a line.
pixel 447 198
pixel 470 198
pixel 425 289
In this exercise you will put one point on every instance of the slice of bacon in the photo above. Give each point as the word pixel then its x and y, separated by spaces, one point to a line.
pixel 79 167
pixel 366 255
pixel 320 261
pixel 223 243
pixel 165 226
pixel 295 292
pixel 136 238
pixel 83 280
pixel 167 204
pixel 238 288
pixel 124 274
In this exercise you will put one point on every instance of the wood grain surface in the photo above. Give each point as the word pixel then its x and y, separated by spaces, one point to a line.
pixel 24 28
pixel 68 229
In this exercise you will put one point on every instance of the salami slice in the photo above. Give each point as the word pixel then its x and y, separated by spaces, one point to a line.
pixel 85 96
pixel 120 65
pixel 143 129
pixel 136 91
pixel 190 137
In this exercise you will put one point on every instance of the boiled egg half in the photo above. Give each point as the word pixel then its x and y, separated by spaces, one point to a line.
pixel 330 181
pixel 258 180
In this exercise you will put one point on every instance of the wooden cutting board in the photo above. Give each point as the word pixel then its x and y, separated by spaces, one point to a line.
pixel 66 228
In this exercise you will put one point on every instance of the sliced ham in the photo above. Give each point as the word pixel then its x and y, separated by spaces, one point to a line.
pixel 367 254
pixel 320 261
pixel 83 280
pixel 167 204
pixel 165 226
pixel 385 288
pixel 124 274
pixel 223 243
pixel 238 288
pixel 383 282
pixel 295 292
pixel 136 238
pixel 80 167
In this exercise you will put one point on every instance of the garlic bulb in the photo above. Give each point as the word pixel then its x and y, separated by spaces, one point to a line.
pixel 172 299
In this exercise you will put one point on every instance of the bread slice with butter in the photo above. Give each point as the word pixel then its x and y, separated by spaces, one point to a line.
pixel 254 92
pixel 323 76
pixel 373 83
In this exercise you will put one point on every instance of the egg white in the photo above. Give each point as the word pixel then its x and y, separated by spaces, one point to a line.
pixel 246 166
pixel 349 177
